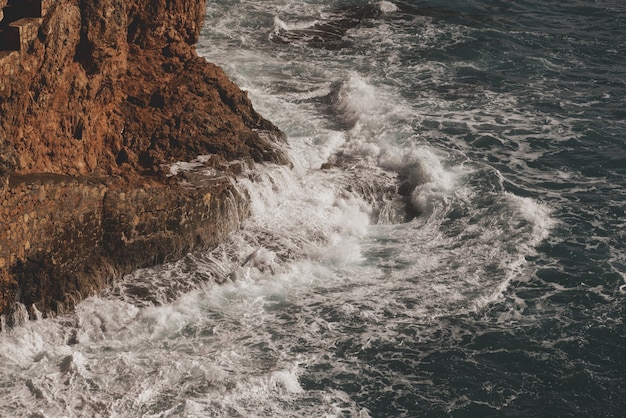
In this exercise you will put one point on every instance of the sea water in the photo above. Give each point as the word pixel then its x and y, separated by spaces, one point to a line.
pixel 450 240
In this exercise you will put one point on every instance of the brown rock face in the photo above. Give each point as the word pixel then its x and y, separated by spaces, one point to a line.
pixel 104 93
pixel 67 237
pixel 115 86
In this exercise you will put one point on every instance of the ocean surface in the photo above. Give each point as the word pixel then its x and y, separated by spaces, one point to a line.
pixel 450 241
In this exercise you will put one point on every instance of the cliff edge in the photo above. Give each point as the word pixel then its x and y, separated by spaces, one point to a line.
pixel 97 97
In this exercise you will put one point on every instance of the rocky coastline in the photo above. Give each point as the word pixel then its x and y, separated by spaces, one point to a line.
pixel 97 99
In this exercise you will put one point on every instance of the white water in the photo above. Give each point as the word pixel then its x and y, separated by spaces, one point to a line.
pixel 328 263
pixel 305 267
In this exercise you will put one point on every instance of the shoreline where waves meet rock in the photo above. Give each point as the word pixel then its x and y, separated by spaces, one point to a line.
pixel 97 98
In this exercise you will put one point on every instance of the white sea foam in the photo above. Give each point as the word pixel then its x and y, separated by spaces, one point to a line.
pixel 308 284
pixel 284 380
pixel 357 100
pixel 387 7
pixel 281 25
pixel 181 166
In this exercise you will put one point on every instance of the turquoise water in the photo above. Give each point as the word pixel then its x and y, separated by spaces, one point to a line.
pixel 462 254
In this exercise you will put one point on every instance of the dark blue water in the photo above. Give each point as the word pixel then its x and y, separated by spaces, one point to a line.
pixel 462 253
pixel 535 90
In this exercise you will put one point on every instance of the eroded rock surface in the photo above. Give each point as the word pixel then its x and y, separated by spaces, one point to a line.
pixel 104 97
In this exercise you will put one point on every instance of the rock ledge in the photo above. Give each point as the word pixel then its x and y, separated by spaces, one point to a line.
pixel 99 98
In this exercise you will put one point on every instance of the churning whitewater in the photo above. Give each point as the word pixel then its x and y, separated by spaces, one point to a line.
pixel 440 247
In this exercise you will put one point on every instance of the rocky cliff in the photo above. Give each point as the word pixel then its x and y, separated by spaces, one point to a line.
pixel 97 97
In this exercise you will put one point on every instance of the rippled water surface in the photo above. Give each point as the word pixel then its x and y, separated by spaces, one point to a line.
pixel 461 253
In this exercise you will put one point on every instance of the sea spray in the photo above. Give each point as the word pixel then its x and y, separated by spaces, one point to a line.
pixel 447 243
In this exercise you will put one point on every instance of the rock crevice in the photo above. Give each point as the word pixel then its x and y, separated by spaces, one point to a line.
pixel 95 103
